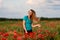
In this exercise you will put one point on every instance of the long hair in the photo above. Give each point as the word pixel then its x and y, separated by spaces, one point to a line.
pixel 33 16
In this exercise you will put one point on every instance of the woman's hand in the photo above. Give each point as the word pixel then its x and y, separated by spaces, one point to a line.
pixel 38 25
pixel 26 32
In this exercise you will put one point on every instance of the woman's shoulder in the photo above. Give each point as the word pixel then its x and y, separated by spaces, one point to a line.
pixel 25 16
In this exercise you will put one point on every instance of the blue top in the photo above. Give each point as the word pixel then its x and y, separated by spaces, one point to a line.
pixel 28 23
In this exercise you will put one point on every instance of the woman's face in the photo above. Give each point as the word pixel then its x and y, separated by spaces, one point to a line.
pixel 30 13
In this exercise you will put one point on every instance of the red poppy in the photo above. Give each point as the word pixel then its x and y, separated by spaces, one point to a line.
pixel 40 36
pixel 0 33
pixel 32 34
pixel 26 35
pixel 19 38
pixel 5 34
pixel 15 34
pixel 15 31
pixel 3 38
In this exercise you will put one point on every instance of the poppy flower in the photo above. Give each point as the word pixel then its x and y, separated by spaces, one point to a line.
pixel 0 33
pixel 5 34
pixel 19 38
pixel 40 36
pixel 15 34
pixel 32 34
pixel 3 38
pixel 26 35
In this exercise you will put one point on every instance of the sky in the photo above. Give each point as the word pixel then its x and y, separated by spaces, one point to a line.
pixel 19 8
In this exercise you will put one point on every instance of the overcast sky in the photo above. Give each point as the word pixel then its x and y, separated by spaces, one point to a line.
pixel 19 8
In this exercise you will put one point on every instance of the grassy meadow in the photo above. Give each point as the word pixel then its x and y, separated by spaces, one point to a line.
pixel 13 30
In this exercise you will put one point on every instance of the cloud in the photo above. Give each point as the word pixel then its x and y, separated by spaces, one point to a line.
pixel 12 5
pixel 53 5
pixel 51 8
pixel 0 3
pixel 35 2
pixel 56 2
pixel 29 2
pixel 19 8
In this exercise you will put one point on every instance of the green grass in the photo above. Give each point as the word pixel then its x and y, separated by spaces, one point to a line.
pixel 6 26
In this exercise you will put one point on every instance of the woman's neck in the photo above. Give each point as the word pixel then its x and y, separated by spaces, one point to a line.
pixel 28 16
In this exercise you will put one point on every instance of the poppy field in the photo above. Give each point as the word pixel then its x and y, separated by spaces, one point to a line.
pixel 13 30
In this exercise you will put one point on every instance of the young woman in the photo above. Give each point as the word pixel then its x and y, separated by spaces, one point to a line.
pixel 29 20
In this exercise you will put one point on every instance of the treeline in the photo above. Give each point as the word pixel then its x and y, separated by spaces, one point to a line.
pixel 10 19
pixel 49 19
pixel 15 19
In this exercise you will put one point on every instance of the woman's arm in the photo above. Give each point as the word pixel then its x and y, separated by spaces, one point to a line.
pixel 36 21
pixel 36 25
pixel 24 26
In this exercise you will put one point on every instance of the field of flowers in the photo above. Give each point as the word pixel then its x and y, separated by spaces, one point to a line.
pixel 13 30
